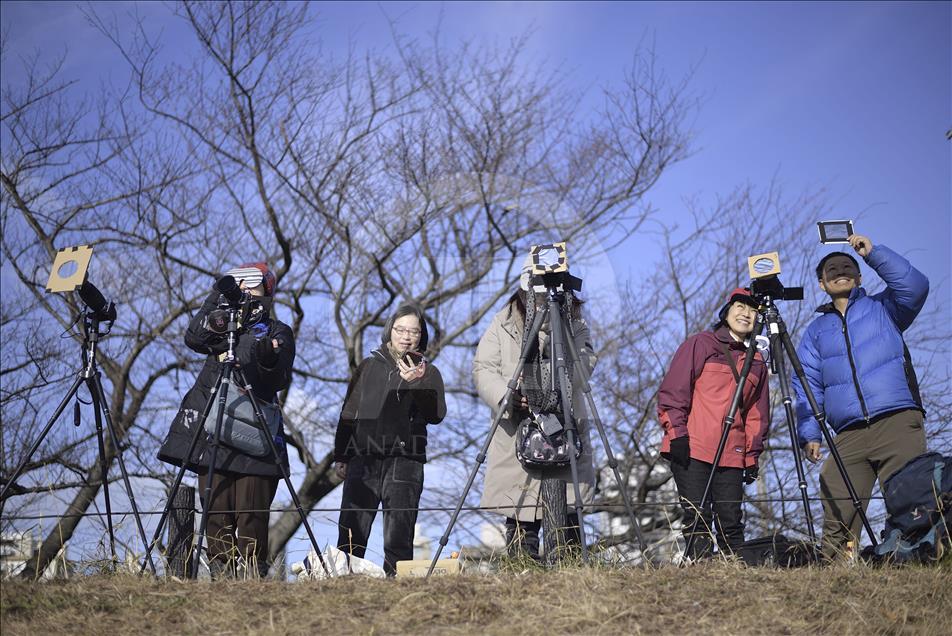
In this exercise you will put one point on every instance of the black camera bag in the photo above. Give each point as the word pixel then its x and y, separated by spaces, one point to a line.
pixel 776 551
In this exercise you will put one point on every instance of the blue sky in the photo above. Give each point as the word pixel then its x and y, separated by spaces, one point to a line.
pixel 853 97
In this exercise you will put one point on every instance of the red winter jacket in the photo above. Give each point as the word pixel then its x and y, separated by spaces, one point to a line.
pixel 697 391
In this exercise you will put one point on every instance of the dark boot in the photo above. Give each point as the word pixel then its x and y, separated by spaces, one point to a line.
pixel 220 569
pixel 572 531
pixel 522 538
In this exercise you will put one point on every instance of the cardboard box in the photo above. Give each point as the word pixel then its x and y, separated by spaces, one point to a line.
pixel 419 567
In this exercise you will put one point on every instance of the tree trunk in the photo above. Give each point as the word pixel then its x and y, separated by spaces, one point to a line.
pixel 318 482
pixel 63 531
pixel 181 531
pixel 553 518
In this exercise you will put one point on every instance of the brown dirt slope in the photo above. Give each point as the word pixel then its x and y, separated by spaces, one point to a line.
pixel 709 599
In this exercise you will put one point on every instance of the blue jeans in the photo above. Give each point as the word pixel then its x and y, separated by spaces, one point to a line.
pixel 395 482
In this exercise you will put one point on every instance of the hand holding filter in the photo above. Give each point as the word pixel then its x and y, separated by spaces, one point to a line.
pixel 833 232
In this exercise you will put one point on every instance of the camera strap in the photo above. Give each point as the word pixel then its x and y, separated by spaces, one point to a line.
pixel 730 362
pixel 537 373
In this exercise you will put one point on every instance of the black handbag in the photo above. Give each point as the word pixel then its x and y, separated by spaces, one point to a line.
pixel 542 442
pixel 239 427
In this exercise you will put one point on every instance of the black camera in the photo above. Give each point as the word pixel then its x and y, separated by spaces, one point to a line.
pixel 772 287
pixel 765 279
pixel 231 298
pixel 232 295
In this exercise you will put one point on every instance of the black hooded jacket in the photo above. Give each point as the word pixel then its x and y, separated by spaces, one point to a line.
pixel 385 416
pixel 267 379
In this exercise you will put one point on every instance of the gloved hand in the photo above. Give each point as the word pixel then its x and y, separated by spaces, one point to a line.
pixel 680 452
pixel 750 474
pixel 266 352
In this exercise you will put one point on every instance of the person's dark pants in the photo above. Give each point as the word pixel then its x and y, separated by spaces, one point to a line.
pixel 869 453
pixel 238 516
pixel 522 537
pixel 722 512
pixel 395 482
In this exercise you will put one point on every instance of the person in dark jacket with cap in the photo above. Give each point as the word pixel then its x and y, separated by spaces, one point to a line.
pixel 244 485
pixel 692 403
pixel 380 445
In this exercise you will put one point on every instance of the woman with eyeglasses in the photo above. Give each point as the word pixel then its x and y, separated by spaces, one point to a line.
pixel 380 445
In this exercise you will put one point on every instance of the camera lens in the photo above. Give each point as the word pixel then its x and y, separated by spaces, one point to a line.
pixel 217 321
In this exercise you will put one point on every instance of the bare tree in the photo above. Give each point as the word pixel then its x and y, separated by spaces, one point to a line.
pixel 363 182
pixel 67 166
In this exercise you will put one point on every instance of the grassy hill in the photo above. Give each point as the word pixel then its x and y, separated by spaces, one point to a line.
pixel 714 598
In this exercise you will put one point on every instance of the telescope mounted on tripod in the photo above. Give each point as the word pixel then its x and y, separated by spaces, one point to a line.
pixel 550 269
pixel 765 282
pixel 69 273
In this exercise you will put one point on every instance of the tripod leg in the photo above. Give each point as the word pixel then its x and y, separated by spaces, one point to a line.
pixel 612 462
pixel 181 472
pixel 262 422
pixel 46 430
pixel 728 423
pixel 103 469
pixel 821 420
pixel 114 438
pixel 561 368
pixel 512 388
pixel 207 499
pixel 776 346
pixel 579 503
pixel 480 458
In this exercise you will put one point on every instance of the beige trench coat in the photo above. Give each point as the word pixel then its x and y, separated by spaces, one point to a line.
pixel 508 482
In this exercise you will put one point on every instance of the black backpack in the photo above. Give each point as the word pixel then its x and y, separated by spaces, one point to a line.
pixel 919 511
pixel 776 551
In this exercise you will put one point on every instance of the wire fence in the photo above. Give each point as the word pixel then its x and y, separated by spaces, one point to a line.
pixel 594 507
pixel 179 549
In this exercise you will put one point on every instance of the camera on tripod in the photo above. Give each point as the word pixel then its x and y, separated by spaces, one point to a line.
pixel 765 282
pixel 233 299
pixel 69 273
pixel 550 268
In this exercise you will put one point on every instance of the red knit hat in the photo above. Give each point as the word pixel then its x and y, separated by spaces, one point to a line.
pixel 741 294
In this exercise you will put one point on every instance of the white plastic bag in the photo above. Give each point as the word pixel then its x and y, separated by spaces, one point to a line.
pixel 338 563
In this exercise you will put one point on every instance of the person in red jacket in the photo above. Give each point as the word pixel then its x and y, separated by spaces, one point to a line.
pixel 692 403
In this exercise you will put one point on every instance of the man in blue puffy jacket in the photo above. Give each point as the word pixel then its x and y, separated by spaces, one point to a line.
pixel 861 374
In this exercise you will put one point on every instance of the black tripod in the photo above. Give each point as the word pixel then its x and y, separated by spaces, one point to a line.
pixel 780 341
pixel 229 369
pixel 563 349
pixel 90 376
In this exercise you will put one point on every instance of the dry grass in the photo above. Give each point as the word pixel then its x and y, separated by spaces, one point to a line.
pixel 716 598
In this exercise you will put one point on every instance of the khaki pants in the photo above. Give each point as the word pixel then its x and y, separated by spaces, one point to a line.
pixel 868 452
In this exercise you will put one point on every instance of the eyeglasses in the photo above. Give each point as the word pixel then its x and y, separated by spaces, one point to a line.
pixel 401 331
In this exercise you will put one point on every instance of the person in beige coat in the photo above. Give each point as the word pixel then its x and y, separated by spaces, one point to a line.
pixel 510 488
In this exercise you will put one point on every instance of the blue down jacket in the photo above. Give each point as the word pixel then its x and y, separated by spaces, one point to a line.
pixel 857 364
